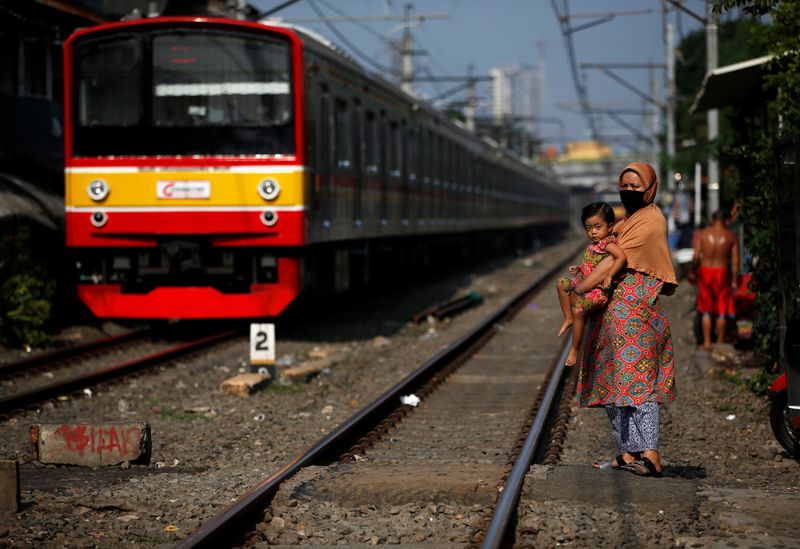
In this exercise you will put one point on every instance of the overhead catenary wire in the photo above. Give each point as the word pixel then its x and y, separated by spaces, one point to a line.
pixel 347 43
pixel 580 85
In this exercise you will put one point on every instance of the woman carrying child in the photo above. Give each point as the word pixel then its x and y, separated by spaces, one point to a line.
pixel 575 296
pixel 628 361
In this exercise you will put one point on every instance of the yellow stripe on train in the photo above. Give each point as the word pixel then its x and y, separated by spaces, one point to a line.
pixel 135 187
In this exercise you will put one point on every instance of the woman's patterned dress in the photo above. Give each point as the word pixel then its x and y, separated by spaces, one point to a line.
pixel 627 355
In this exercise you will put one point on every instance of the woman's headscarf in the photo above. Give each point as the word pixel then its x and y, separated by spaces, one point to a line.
pixel 648 176
pixel 643 236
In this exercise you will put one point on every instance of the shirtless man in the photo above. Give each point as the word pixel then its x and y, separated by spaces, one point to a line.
pixel 716 257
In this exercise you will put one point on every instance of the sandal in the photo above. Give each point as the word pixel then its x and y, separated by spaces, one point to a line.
pixel 609 463
pixel 642 467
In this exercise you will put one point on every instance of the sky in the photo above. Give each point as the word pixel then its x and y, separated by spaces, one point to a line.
pixel 489 33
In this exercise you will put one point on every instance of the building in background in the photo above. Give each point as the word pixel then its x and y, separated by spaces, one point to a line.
pixel 517 95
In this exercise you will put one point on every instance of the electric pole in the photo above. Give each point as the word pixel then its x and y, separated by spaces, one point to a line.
pixel 712 29
pixel 408 51
pixel 469 109
pixel 670 47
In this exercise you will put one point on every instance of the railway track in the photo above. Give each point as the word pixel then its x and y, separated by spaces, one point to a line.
pixel 71 373
pixel 482 397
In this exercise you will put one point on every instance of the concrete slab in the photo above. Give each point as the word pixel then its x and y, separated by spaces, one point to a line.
pixel 91 444
pixel 609 488
pixel 320 360
pixel 245 384
pixel 397 484
pixel 369 546
pixel 9 486
pixel 753 512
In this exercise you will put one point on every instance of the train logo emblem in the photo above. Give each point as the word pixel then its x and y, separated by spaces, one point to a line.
pixel 183 189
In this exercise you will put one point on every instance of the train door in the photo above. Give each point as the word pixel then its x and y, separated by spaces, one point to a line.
pixel 423 173
pixel 394 161
pixel 371 199
pixel 409 172
pixel 383 154
pixel 325 163
pixel 358 165
pixel 341 183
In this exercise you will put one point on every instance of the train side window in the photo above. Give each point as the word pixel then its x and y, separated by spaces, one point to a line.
pixel 341 134
pixel 371 142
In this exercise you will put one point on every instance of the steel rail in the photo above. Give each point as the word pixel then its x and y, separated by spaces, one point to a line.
pixel 449 308
pixel 496 535
pixel 26 398
pixel 67 352
pixel 218 531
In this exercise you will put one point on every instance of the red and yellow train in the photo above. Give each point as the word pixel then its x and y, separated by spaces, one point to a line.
pixel 215 168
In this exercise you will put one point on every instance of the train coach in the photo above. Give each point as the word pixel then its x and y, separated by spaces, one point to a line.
pixel 215 168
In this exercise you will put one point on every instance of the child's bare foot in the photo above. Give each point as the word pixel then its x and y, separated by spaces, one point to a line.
pixel 566 326
pixel 572 357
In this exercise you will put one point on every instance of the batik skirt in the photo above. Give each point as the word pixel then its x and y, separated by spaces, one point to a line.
pixel 627 357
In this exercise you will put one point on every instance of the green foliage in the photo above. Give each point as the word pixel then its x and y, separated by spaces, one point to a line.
pixel 756 134
pixel 750 7
pixel 739 40
pixel 783 78
pixel 26 292
pixel 758 383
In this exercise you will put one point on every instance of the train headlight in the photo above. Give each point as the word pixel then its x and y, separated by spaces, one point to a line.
pixel 99 218
pixel 269 189
pixel 98 189
pixel 269 218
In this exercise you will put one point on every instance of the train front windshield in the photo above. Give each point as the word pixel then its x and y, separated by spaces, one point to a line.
pixel 183 93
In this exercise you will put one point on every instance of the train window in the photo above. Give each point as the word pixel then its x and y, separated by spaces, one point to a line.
pixel 109 83
pixel 177 92
pixel 341 134
pixel 213 80
pixel 371 142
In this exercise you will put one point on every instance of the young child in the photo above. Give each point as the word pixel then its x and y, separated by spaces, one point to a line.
pixel 576 301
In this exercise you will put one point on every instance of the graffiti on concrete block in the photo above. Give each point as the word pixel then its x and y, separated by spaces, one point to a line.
pixel 101 439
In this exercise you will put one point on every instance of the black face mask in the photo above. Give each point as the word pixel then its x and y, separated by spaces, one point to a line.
pixel 632 200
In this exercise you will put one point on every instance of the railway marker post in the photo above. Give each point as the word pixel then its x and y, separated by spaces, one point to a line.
pixel 262 347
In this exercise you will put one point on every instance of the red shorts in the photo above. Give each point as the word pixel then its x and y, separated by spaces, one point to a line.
pixel 714 292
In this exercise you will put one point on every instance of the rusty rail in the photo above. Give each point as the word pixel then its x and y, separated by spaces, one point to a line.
pixel 68 352
pixel 504 510
pixel 451 308
pixel 27 398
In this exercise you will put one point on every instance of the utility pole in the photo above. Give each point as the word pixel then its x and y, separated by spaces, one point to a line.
pixel 469 109
pixel 670 47
pixel 408 50
pixel 712 29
